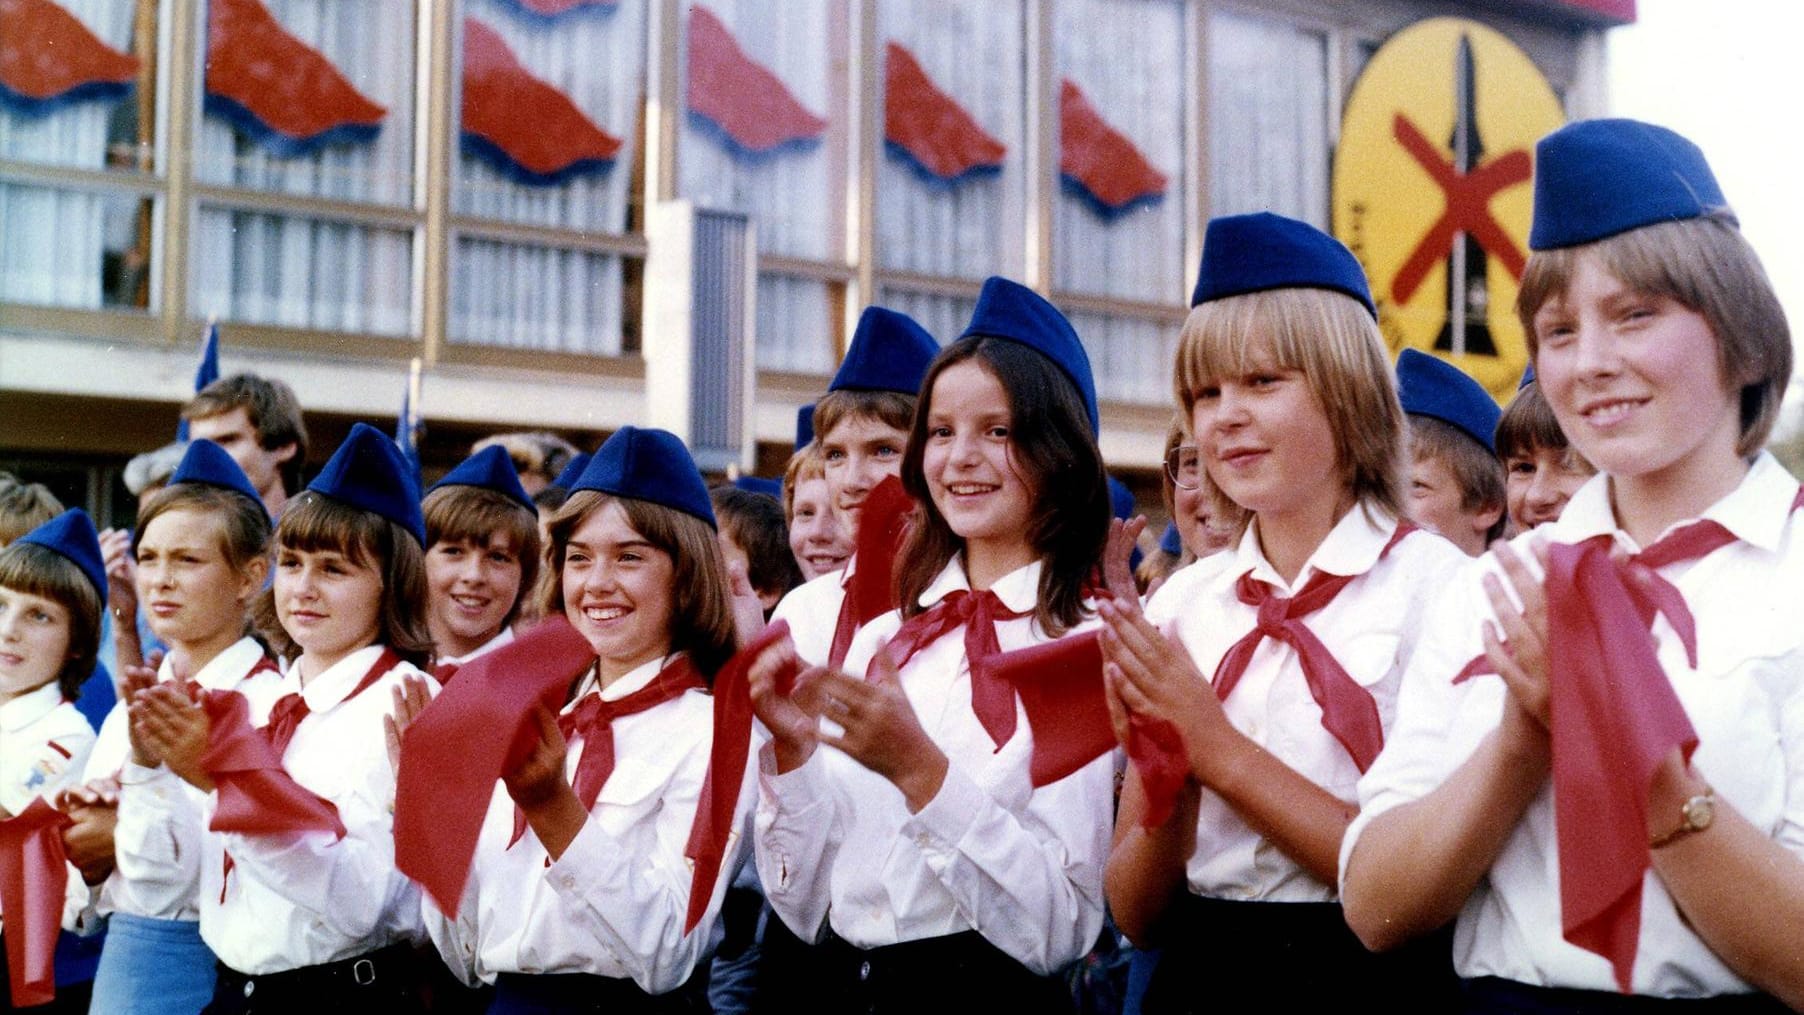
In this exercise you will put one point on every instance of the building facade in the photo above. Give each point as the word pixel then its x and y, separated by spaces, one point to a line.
pixel 348 185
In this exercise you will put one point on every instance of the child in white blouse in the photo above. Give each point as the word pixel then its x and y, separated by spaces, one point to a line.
pixel 1664 354
pixel 906 832
pixel 576 904
pixel 1287 650
pixel 307 920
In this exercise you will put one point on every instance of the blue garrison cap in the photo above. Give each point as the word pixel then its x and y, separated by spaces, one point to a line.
pixel 889 352
pixel 1431 386
pixel 1171 542
pixel 368 472
pixel 772 488
pixel 1253 253
pixel 649 464
pixel 1121 499
pixel 208 463
pixel 72 535
pixel 1597 178
pixel 490 469
pixel 1012 311
pixel 804 426
pixel 572 472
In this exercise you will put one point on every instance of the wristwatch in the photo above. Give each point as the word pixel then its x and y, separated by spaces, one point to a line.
pixel 1695 815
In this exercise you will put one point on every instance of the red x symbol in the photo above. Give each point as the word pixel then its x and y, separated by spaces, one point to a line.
pixel 1468 207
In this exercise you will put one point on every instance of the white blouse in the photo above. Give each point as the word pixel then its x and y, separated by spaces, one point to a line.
pixel 1745 699
pixel 614 904
pixel 1022 866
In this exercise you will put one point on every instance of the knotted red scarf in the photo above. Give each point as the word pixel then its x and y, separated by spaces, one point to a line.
pixel 34 876
pixel 1613 717
pixel 992 698
pixel 1348 711
pixel 593 720
pixel 255 792
pixel 453 752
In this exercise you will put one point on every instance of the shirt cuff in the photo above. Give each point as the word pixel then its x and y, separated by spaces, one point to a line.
pixel 793 791
pixel 594 864
pixel 133 774
pixel 950 815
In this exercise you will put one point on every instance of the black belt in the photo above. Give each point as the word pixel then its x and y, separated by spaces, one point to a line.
pixel 943 975
pixel 1494 994
pixel 386 969
pixel 1232 955
pixel 584 992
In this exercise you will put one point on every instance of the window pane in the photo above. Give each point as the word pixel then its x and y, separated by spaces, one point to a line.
pixel 788 188
pixel 944 317
pixel 516 296
pixel 1268 120
pixel 74 249
pixel 98 118
pixel 973 224
pixel 294 90
pixel 594 58
pixel 1131 357
pixel 1132 248
pixel 302 273
pixel 795 324
pixel 763 135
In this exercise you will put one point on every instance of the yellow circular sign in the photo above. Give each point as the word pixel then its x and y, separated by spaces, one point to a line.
pixel 1432 190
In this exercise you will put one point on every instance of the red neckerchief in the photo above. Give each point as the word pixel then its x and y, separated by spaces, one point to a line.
pixel 593 718
pixel 291 709
pixel 992 698
pixel 1348 711
pixel 1613 718
pixel 286 716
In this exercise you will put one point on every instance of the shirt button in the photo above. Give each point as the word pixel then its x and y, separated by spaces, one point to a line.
pixel 249 986
pixel 864 971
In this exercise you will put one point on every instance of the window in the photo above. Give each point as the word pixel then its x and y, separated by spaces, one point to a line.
pixel 950 202
pixel 1268 118
pixel 543 198
pixel 764 133
pixel 77 157
pixel 1118 220
pixel 304 166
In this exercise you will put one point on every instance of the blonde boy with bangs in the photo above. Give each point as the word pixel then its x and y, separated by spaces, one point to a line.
pixel 1279 659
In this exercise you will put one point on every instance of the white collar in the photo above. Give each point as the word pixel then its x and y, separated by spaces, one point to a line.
pixel 628 682
pixel 325 691
pixel 1351 547
pixel 1755 512
pixel 27 708
pixel 506 636
pixel 224 671
pixel 1019 590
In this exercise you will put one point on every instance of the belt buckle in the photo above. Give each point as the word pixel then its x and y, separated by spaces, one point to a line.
pixel 363 972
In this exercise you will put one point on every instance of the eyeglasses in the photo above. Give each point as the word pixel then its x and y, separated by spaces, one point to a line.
pixel 1185 467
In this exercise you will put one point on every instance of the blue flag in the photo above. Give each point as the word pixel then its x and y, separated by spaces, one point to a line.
pixel 205 373
pixel 409 424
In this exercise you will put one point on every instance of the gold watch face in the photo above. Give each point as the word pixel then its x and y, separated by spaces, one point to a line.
pixel 1699 812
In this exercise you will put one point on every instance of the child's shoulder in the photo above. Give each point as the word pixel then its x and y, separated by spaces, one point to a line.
pixel 809 596
pixel 1190 584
